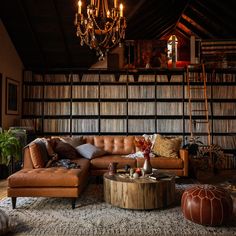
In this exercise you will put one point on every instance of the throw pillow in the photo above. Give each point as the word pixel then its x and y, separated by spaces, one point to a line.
pixel 6 224
pixel 167 147
pixel 74 141
pixel 38 152
pixel 66 151
pixel 42 148
pixel 90 151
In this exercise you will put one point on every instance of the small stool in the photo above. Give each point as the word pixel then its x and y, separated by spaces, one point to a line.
pixel 207 205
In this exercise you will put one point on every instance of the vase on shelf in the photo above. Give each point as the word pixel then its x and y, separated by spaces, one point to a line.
pixel 147 167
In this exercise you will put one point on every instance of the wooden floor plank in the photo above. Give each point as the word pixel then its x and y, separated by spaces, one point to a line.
pixel 3 189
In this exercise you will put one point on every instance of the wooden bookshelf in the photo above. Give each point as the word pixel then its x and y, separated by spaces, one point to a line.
pixel 82 102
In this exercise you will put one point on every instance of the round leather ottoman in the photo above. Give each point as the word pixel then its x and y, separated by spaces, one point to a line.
pixel 207 205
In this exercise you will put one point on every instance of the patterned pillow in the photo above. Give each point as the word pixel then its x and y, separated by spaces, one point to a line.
pixel 90 151
pixel 167 147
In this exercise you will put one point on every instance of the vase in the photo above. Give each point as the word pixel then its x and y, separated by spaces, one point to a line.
pixel 147 167
pixel 112 168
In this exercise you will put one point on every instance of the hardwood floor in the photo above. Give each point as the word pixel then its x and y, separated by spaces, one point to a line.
pixel 3 189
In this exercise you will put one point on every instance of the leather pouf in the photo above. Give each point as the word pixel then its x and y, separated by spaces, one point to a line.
pixel 207 205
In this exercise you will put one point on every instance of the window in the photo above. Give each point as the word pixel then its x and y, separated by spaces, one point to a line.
pixel 172 48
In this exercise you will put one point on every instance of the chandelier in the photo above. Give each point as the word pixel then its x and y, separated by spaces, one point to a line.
pixel 102 28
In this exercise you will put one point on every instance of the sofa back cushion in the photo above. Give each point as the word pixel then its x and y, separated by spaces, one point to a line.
pixel 36 155
pixel 118 145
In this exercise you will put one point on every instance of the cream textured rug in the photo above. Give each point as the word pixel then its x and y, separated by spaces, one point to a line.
pixel 92 216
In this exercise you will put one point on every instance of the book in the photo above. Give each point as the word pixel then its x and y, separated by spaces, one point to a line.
pixel 159 175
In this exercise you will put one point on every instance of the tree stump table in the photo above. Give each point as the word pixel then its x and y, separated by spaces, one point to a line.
pixel 139 194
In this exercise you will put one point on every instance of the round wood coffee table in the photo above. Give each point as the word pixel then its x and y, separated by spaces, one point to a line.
pixel 140 194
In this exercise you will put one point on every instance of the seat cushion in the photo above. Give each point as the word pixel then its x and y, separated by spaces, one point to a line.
pixel 163 163
pixel 103 162
pixel 50 177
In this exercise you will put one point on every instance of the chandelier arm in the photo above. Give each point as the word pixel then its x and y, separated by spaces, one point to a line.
pixel 100 29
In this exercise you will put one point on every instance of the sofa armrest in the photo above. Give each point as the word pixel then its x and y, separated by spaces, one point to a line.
pixel 183 153
pixel 27 162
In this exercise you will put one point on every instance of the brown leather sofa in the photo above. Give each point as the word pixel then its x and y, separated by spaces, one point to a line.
pixel 62 182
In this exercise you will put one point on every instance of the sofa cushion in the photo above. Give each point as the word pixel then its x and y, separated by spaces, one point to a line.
pixel 74 141
pixel 167 147
pixel 66 151
pixel 89 151
pixel 104 161
pixel 36 155
pixel 118 145
pixel 50 177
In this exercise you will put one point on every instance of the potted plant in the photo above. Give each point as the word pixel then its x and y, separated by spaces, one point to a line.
pixel 10 149
pixel 204 156
pixel 193 146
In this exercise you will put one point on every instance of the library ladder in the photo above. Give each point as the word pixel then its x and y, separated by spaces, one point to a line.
pixel 197 94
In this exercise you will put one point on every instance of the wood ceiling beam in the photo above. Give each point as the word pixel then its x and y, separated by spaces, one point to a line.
pixel 135 9
pixel 196 25
pixel 22 6
pixel 58 16
pixel 185 29
pixel 220 15
pixel 186 36
pixel 205 17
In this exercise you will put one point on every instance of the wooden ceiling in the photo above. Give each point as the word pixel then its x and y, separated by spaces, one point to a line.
pixel 43 31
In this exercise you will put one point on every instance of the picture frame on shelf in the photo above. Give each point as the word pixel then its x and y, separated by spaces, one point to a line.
pixel 12 94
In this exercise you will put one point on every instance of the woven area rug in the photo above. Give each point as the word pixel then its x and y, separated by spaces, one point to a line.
pixel 92 216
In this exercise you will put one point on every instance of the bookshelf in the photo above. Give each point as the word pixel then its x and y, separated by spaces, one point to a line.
pixel 102 102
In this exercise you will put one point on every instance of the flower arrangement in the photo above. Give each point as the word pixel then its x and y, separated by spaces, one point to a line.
pixel 144 145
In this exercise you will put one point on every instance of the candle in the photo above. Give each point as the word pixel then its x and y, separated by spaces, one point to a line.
pixel 115 3
pixel 92 2
pixel 79 6
pixel 108 14
pixel 121 10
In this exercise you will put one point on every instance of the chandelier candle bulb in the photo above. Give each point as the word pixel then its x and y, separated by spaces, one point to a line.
pixel 79 6
pixel 121 10
pixel 115 3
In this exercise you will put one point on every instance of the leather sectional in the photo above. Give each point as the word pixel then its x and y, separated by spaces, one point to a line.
pixel 69 183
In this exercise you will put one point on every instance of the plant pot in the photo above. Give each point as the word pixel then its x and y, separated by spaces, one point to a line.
pixel 3 171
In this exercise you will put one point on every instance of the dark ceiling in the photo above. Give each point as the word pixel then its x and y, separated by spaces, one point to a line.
pixel 43 31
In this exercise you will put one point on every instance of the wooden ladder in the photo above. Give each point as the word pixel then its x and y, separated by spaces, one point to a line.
pixel 196 80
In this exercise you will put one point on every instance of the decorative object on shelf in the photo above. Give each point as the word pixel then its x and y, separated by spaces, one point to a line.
pixel 103 27
pixel 145 146
pixel 112 168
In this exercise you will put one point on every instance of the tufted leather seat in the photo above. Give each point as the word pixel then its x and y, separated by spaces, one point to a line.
pixel 207 205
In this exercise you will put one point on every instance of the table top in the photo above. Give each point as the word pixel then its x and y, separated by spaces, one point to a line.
pixel 122 177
